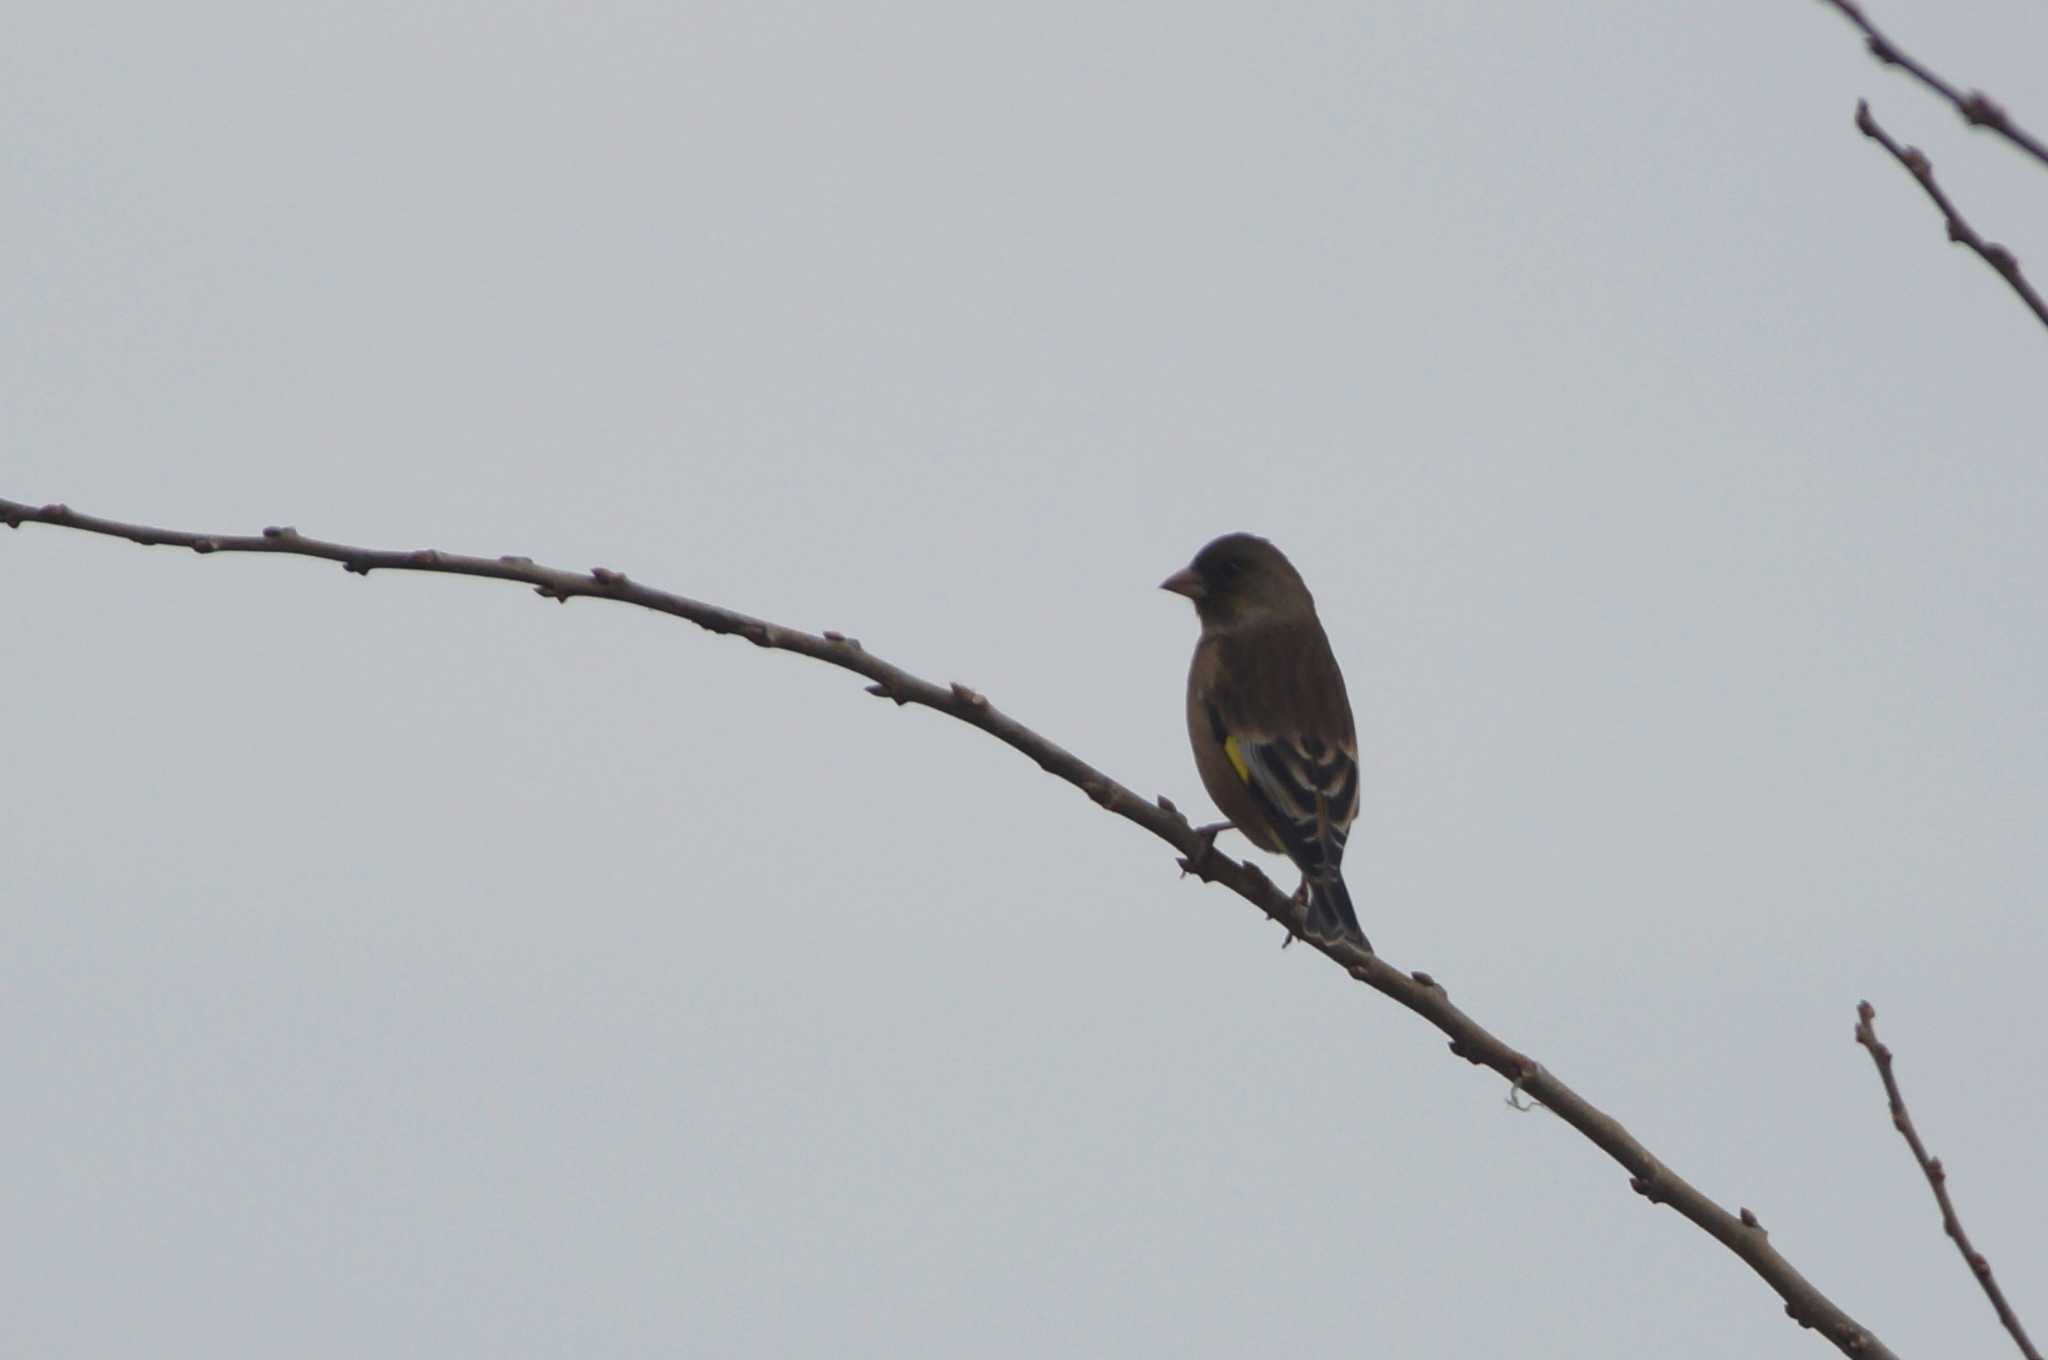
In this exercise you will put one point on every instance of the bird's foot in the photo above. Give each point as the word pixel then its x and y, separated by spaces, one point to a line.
pixel 1199 861
pixel 1300 900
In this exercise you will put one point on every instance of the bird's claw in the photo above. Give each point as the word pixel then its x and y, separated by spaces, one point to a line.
pixel 1199 861
pixel 1300 900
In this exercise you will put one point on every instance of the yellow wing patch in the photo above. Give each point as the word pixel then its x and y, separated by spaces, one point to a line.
pixel 1236 758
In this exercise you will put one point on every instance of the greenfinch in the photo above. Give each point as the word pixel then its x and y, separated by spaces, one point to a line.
pixel 1269 719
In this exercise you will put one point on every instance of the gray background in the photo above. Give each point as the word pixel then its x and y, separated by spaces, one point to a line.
pixel 404 966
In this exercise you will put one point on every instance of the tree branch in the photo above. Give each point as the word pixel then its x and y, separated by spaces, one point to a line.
pixel 1866 1035
pixel 1959 231
pixel 1976 107
pixel 1649 1177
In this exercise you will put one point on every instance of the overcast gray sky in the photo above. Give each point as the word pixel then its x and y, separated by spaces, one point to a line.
pixel 401 966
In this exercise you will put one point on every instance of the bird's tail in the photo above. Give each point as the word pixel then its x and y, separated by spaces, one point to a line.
pixel 1329 915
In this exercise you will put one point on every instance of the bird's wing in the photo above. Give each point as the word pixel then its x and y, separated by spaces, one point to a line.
pixel 1306 787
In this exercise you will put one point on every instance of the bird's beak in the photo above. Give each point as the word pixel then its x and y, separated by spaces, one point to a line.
pixel 1184 582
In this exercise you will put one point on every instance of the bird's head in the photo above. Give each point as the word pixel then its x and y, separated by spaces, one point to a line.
pixel 1241 578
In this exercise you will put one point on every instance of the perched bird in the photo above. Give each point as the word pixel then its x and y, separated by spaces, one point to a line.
pixel 1269 719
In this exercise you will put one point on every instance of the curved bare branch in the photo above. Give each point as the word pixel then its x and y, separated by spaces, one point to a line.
pixel 1420 993
pixel 1959 231
pixel 1866 1035
pixel 1977 108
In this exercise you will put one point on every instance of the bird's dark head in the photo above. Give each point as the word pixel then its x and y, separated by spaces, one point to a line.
pixel 1240 578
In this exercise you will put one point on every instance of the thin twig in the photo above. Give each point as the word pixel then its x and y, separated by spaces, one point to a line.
pixel 1418 991
pixel 1866 1035
pixel 1959 231
pixel 1977 108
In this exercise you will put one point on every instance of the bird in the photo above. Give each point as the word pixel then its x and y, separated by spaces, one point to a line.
pixel 1270 721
